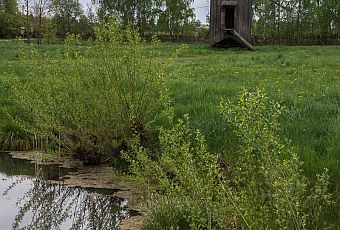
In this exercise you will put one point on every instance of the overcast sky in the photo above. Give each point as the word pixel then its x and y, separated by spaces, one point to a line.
pixel 201 8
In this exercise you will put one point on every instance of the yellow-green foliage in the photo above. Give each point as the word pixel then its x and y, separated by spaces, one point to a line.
pixel 91 98
pixel 262 188
pixel 276 194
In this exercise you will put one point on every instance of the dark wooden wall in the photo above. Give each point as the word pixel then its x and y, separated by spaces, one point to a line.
pixel 215 33
pixel 243 20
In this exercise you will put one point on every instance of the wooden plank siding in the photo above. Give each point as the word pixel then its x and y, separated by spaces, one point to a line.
pixel 219 13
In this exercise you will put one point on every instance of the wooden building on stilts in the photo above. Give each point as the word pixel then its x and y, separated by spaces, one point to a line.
pixel 230 23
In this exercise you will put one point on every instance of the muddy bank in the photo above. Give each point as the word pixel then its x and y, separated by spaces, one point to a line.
pixel 97 180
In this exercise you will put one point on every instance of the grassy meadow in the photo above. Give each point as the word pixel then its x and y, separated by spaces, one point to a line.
pixel 305 79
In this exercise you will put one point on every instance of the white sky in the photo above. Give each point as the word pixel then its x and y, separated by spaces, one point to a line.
pixel 201 8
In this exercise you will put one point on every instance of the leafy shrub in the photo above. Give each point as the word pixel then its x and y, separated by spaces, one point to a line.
pixel 186 175
pixel 276 194
pixel 92 98
pixel 263 188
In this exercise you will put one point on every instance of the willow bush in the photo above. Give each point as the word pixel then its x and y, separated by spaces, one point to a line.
pixel 92 98
pixel 276 193
pixel 262 188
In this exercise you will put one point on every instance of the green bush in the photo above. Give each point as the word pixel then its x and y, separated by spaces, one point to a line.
pixel 183 180
pixel 276 194
pixel 263 188
pixel 91 99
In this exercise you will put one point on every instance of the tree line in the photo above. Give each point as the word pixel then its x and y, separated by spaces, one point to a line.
pixel 52 19
pixel 297 20
pixel 274 20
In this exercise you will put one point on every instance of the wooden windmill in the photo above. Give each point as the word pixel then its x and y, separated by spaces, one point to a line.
pixel 230 23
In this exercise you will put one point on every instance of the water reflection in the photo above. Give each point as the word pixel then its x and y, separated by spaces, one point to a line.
pixel 40 204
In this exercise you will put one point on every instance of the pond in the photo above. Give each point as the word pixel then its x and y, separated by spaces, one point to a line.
pixel 35 197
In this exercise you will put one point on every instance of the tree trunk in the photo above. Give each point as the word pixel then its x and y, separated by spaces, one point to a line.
pixel 27 23
pixel 40 21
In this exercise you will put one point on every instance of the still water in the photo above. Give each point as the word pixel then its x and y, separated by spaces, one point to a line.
pixel 29 201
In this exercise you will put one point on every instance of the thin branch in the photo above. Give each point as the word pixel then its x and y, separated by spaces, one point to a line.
pixel 276 2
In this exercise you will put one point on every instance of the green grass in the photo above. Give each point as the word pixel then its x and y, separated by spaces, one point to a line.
pixel 10 56
pixel 306 78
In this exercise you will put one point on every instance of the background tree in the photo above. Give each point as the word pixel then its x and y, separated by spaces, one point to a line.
pixel 140 14
pixel 42 9
pixel 9 19
pixel 177 14
pixel 151 16
pixel 49 31
pixel 67 12
pixel 296 19
pixel 10 6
